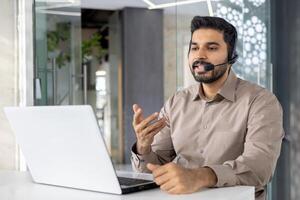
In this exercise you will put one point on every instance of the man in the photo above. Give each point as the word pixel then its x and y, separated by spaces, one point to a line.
pixel 224 131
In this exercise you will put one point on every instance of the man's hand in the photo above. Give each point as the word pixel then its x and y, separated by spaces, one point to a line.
pixel 145 129
pixel 175 179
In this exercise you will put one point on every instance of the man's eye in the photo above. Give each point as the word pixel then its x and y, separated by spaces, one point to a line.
pixel 212 48
pixel 194 48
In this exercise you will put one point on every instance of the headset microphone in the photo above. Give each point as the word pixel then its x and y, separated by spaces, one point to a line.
pixel 209 66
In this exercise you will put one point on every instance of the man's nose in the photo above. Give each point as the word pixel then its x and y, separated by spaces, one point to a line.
pixel 202 54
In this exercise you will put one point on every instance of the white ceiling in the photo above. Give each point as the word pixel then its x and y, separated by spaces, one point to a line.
pixel 120 4
pixel 112 4
pixel 198 8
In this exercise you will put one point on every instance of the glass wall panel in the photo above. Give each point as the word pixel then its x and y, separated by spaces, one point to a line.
pixel 251 18
pixel 59 76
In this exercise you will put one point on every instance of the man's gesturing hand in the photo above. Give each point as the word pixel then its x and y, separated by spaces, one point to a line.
pixel 145 129
pixel 175 179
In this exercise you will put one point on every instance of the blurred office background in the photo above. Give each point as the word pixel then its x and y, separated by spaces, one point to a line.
pixel 111 54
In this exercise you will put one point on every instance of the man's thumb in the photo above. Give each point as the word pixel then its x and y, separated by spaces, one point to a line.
pixel 152 167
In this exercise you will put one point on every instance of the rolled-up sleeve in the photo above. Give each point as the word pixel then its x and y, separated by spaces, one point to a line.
pixel 262 146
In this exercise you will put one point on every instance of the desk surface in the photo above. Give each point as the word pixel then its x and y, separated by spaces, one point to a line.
pixel 19 186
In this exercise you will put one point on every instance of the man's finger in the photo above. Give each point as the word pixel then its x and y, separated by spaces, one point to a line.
pixel 161 170
pixel 155 127
pixel 173 190
pixel 135 107
pixel 167 186
pixel 143 124
pixel 153 133
pixel 152 167
pixel 150 135
pixel 161 180
pixel 137 116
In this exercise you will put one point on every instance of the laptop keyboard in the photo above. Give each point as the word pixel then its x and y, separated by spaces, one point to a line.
pixel 131 181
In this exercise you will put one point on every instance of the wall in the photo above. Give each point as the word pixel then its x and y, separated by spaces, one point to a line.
pixel 285 20
pixel 8 81
pixel 142 66
pixel 177 74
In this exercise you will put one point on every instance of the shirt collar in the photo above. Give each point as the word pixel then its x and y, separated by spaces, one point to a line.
pixel 229 87
pixel 196 92
pixel 227 91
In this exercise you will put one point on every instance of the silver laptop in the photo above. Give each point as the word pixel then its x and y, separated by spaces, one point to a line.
pixel 63 146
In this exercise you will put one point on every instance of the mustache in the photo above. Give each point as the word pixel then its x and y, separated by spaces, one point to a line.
pixel 196 63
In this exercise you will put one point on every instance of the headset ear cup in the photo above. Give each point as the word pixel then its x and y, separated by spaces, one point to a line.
pixel 233 58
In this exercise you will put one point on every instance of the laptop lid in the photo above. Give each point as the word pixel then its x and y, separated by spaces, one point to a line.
pixel 63 146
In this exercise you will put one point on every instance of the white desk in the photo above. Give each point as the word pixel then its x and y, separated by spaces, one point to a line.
pixel 19 186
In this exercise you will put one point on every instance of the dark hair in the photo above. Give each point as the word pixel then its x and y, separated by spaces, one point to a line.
pixel 220 24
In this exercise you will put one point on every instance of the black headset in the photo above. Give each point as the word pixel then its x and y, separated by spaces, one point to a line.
pixel 234 56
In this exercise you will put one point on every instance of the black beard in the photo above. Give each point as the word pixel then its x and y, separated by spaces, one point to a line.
pixel 216 75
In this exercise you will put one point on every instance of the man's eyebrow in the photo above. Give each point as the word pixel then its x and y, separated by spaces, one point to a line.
pixel 213 43
pixel 207 43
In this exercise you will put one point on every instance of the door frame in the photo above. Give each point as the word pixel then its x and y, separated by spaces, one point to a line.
pixel 25 61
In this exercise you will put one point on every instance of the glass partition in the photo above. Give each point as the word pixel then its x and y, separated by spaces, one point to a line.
pixel 59 75
pixel 251 18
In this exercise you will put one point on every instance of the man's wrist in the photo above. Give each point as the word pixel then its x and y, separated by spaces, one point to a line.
pixel 142 150
pixel 206 177
pixel 212 178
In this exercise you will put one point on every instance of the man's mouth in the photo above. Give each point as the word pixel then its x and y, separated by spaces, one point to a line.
pixel 196 64
pixel 198 67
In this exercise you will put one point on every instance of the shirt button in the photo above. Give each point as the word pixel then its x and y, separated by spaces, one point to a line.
pixel 205 126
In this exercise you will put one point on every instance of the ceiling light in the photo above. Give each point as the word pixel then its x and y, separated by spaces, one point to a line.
pixel 149 3
pixel 53 6
pixel 178 3
pixel 54 12
pixel 210 9
pixel 57 1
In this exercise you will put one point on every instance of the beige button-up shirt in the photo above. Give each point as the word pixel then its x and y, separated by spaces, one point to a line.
pixel 238 134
